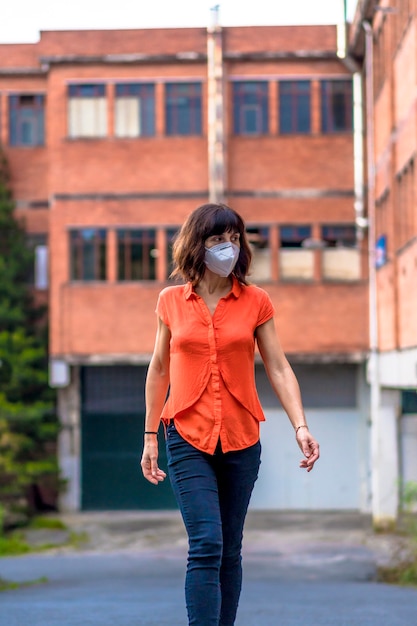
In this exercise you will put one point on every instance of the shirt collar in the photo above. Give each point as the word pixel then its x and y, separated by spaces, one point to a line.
pixel 235 291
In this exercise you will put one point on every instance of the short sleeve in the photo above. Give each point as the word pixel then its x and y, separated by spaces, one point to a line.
pixel 266 308
pixel 161 308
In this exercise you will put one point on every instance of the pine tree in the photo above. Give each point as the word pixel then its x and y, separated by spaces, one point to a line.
pixel 28 425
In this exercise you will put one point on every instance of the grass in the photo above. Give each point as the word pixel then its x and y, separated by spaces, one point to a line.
pixel 403 570
pixel 15 543
pixel 7 585
pixel 49 523
pixel 403 573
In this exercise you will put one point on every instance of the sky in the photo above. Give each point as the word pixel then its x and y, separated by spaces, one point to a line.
pixel 22 20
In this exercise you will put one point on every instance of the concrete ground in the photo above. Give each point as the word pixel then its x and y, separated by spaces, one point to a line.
pixel 279 530
pixel 315 568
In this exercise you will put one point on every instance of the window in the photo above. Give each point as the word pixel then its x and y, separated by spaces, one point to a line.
pixel 293 236
pixel 137 254
pixel 170 238
pixel 339 235
pixel 27 120
pixel 296 262
pixel 341 260
pixel 183 108
pixel 88 254
pixel 250 108
pixel 39 275
pixel 336 106
pixel 135 110
pixel 294 106
pixel 409 402
pixel 261 253
pixel 87 112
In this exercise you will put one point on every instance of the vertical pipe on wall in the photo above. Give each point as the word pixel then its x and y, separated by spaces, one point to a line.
pixel 358 130
pixel 358 156
pixel 215 109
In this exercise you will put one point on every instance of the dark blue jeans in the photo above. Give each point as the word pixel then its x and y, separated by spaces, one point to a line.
pixel 213 494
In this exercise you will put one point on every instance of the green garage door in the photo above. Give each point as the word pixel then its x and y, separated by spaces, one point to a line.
pixel 112 420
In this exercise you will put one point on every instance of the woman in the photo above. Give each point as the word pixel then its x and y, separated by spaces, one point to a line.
pixel 204 354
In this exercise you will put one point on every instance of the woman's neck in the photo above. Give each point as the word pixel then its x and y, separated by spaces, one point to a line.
pixel 213 283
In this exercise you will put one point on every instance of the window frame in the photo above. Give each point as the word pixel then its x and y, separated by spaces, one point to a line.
pixel 77 249
pixel 293 102
pixel 184 118
pixel 18 118
pixel 87 92
pixel 145 94
pixel 246 95
pixel 126 241
pixel 170 234
pixel 328 121
pixel 335 235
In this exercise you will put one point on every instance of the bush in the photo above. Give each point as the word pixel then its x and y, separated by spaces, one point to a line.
pixel 28 422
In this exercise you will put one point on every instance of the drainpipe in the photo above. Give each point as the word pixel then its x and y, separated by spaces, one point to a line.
pixel 216 113
pixel 358 131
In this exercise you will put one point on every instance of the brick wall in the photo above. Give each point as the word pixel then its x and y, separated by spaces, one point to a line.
pixel 113 182
pixel 395 149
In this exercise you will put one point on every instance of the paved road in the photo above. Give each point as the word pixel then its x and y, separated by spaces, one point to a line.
pixel 300 579
pixel 318 588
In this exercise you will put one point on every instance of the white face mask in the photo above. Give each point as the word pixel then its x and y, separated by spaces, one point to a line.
pixel 222 258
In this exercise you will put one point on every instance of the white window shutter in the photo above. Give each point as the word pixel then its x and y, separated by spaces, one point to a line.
pixel 127 123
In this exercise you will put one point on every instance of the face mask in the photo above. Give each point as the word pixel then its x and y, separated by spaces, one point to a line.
pixel 222 258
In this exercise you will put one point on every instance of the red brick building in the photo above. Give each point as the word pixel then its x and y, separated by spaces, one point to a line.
pixel 114 137
pixel 383 41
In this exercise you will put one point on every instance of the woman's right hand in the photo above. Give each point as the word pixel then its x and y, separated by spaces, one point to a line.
pixel 149 462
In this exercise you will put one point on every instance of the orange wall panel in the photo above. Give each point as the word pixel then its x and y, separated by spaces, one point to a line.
pixel 387 318
pixel 106 319
pixel 407 297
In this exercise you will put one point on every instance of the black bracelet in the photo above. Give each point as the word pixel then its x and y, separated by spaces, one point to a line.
pixel 150 432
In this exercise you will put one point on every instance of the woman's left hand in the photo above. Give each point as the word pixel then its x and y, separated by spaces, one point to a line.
pixel 309 447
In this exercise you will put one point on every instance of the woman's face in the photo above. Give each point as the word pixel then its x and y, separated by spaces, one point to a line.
pixel 226 237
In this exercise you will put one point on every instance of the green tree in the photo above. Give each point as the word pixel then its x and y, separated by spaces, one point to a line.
pixel 28 424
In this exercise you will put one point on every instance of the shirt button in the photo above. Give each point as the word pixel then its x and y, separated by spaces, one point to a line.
pixel 213 358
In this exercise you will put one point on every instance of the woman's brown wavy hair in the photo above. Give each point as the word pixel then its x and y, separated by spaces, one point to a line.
pixel 189 248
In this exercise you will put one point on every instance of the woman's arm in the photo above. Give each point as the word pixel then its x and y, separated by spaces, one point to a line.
pixel 285 386
pixel 156 388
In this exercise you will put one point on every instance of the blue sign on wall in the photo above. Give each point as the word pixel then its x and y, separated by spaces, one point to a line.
pixel 381 251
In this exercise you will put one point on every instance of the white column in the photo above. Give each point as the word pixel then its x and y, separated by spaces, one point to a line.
pixel 365 472
pixel 69 443
pixel 385 461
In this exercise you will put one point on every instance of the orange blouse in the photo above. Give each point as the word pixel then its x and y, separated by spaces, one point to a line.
pixel 212 383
